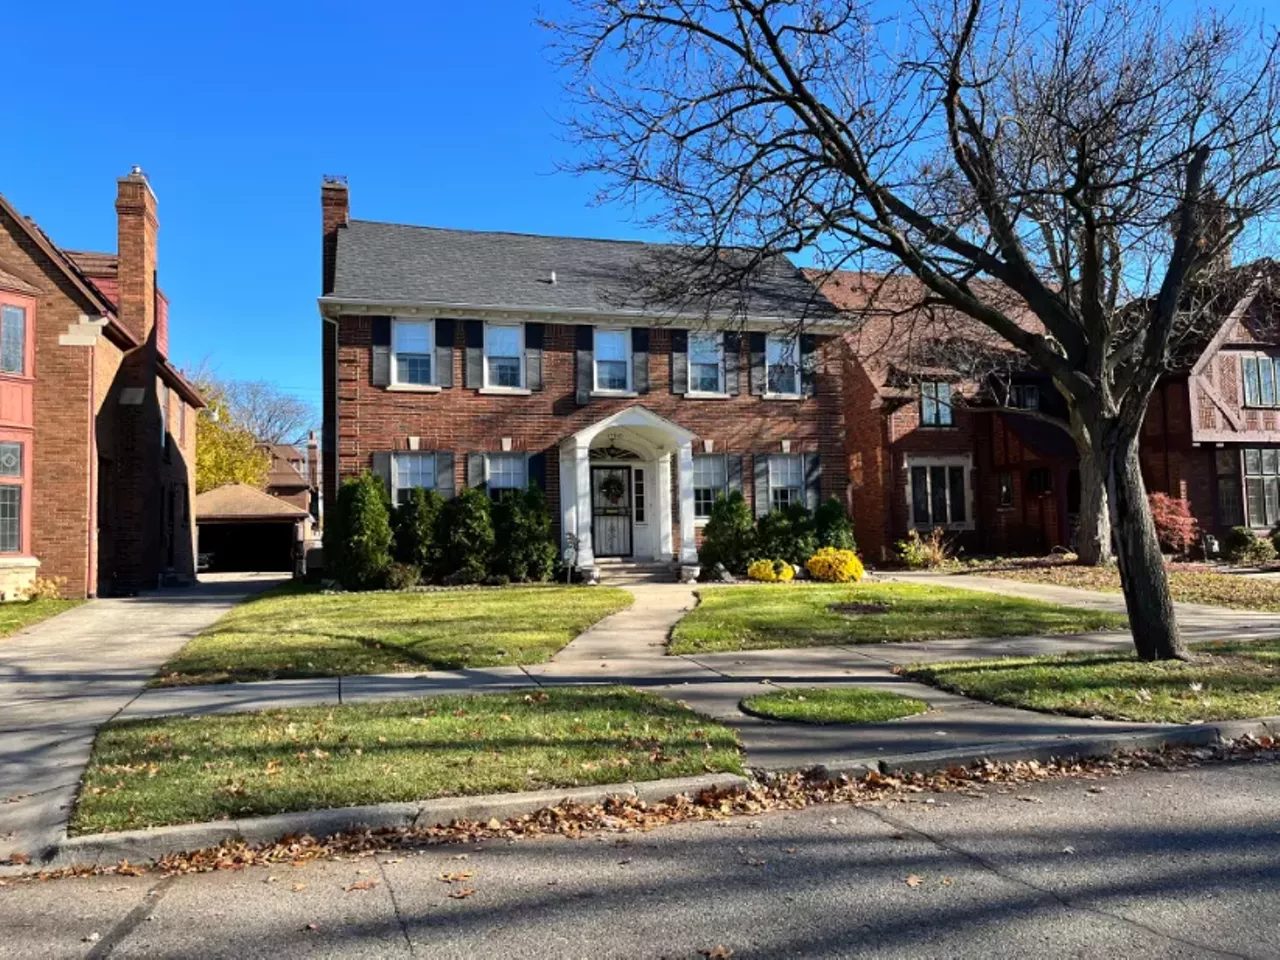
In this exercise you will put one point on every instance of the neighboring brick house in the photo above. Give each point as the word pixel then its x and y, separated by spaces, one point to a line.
pixel 1008 483
pixel 97 428
pixel 294 476
pixel 494 360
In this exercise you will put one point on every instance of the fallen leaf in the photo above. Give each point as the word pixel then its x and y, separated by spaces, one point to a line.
pixel 718 952
pixel 454 877
pixel 19 858
pixel 462 894
pixel 362 885
pixel 298 887
pixel 913 881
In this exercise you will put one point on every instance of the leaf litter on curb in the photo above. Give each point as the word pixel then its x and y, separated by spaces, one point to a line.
pixel 793 791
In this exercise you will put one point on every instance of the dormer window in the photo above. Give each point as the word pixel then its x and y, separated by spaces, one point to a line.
pixel 613 359
pixel 706 363
pixel 412 353
pixel 1024 396
pixel 935 404
pixel 504 355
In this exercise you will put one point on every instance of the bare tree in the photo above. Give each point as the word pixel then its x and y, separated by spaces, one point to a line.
pixel 1064 177
pixel 271 414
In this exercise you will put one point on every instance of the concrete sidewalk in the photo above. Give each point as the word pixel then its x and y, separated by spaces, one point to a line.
pixel 62 679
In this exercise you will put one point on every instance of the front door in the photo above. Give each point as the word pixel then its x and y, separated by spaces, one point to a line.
pixel 611 511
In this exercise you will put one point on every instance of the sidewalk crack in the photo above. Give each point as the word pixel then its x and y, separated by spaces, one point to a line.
pixel 1064 901
pixel 395 906
pixel 116 935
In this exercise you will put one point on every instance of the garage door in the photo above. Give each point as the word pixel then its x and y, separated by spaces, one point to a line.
pixel 239 547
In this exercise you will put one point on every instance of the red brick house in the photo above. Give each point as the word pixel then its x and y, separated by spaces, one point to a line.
pixel 494 360
pixel 97 428
pixel 923 454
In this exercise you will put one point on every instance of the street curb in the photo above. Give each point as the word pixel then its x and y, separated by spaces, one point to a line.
pixel 148 846
pixel 1057 748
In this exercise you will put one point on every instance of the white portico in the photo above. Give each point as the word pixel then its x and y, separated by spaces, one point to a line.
pixel 615 489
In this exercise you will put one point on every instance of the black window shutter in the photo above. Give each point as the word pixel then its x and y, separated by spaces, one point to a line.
pixel 756 342
pixel 474 331
pixel 537 470
pixel 734 460
pixel 584 344
pixel 381 371
pixel 382 468
pixel 446 481
pixel 533 333
pixel 808 365
pixel 680 361
pixel 475 470
pixel 760 461
pixel 812 481
pixel 732 357
pixel 640 359
pixel 444 353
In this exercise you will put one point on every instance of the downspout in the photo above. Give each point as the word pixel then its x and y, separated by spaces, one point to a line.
pixel 91 554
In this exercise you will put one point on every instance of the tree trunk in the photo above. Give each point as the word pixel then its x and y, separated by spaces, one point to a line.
pixel 1093 530
pixel 1142 574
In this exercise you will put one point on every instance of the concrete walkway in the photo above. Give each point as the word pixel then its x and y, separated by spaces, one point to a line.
pixel 62 679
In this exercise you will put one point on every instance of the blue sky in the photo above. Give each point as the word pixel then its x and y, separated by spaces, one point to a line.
pixel 439 112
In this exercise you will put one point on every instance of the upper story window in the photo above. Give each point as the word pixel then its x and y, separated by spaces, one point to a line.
pixel 782 366
pixel 786 480
pixel 164 415
pixel 935 403
pixel 504 355
pixel 505 471
pixel 706 362
pixel 1024 396
pixel 13 339
pixel 613 359
pixel 409 471
pixel 412 353
pixel 710 480
pixel 1260 377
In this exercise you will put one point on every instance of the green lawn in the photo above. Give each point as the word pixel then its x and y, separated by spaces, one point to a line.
pixel 298 632
pixel 801 615
pixel 25 613
pixel 1228 681
pixel 822 705
pixel 191 769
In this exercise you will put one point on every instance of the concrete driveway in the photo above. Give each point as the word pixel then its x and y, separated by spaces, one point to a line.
pixel 62 679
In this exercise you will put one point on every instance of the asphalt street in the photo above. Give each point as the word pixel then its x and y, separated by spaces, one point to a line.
pixel 1152 864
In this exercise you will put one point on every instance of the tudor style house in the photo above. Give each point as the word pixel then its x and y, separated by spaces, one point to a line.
pixel 496 360
pixel 923 454
pixel 97 428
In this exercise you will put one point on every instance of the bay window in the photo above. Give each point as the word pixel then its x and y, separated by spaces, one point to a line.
pixel 782 367
pixel 706 362
pixel 613 359
pixel 11 472
pixel 13 339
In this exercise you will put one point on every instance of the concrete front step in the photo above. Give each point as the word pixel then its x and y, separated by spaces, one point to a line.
pixel 637 571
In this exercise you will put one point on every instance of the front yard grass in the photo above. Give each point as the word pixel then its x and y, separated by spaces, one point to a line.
pixel 1194 584
pixel 801 615
pixel 299 632
pixel 1228 681
pixel 823 705
pixel 170 770
pixel 26 613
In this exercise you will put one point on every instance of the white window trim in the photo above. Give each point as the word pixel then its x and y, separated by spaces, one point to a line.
pixel 596 389
pixel 396 323
pixel 395 472
pixel 488 387
pixel 770 394
pixel 966 462
pixel 719 391
pixel 488 470
pixel 724 488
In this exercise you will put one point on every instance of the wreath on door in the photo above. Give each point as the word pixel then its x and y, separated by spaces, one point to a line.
pixel 612 489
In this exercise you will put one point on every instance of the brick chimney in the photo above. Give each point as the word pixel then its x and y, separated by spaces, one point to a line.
pixel 136 226
pixel 335 211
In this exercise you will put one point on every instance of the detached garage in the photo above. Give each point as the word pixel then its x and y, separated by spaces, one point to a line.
pixel 243 529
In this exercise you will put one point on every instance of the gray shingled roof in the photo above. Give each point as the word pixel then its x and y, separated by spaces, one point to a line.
pixel 400 264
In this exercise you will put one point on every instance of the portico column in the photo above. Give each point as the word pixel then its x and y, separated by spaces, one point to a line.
pixel 582 470
pixel 665 549
pixel 688 544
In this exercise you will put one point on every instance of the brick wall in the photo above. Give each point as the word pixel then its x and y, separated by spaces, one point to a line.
pixel 372 419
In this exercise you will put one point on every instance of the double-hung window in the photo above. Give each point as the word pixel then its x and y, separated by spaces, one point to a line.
pixel 706 362
pixel 10 497
pixel 613 359
pixel 786 480
pixel 710 480
pixel 935 403
pixel 782 366
pixel 939 493
pixel 412 353
pixel 504 355
pixel 1261 381
pixel 410 471
pixel 1022 396
pixel 1262 485
pixel 13 339
pixel 506 471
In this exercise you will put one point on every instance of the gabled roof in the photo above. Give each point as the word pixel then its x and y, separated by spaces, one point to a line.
pixel 16 284
pixel 239 501
pixel 399 265
pixel 283 472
